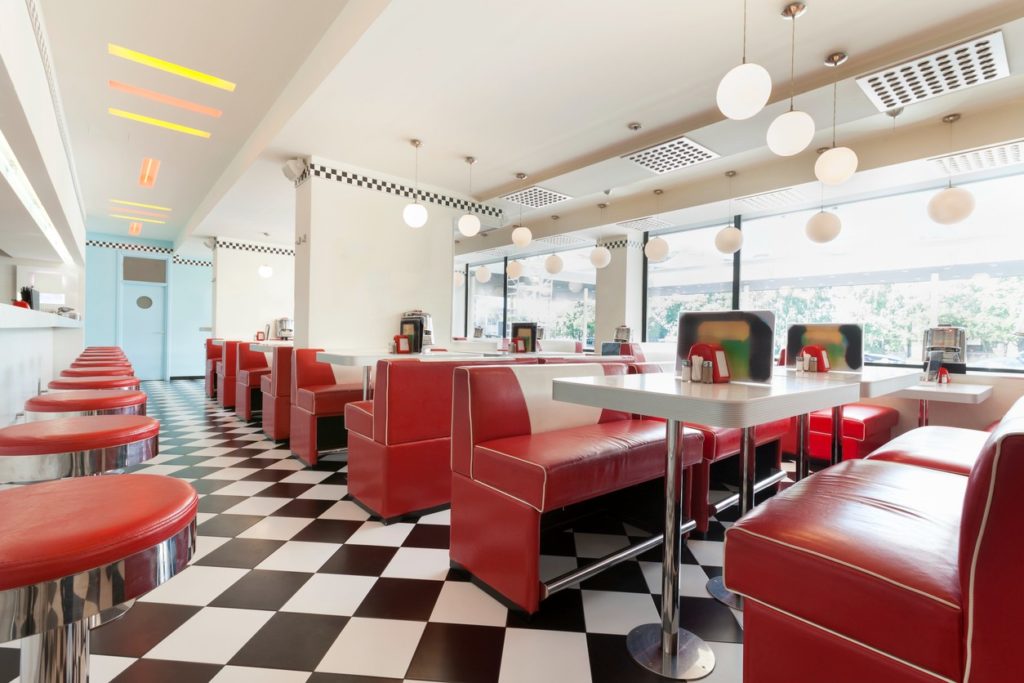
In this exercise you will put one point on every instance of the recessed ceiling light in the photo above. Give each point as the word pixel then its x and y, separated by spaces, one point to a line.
pixel 137 218
pixel 165 99
pixel 169 67
pixel 135 229
pixel 160 123
pixel 147 175
pixel 144 206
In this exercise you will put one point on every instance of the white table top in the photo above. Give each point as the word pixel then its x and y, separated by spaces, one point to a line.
pixel 732 404
pixel 874 381
pixel 269 346
pixel 365 358
pixel 948 393
pixel 217 342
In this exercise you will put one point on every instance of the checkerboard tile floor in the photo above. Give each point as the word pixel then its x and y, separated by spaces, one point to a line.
pixel 292 583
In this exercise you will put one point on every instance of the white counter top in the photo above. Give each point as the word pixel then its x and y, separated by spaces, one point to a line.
pixel 948 393
pixel 732 404
pixel 266 346
pixel 365 358
pixel 874 381
pixel 13 317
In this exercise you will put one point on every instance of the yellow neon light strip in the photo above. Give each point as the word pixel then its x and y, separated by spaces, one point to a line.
pixel 169 67
pixel 159 123
pixel 142 206
pixel 136 218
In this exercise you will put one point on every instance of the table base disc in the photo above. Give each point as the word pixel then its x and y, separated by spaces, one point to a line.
pixel 694 659
pixel 716 587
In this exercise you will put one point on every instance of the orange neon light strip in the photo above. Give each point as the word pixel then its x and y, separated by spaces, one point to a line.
pixel 138 212
pixel 165 99
pixel 135 229
pixel 147 175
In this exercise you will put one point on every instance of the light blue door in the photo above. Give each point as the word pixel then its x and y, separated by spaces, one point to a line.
pixel 143 328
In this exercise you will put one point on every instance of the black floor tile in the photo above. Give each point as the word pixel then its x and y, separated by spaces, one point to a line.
pixel 227 525
pixel 626 577
pixel 291 641
pixel 456 652
pixel 338 478
pixel 610 661
pixel 400 599
pixel 428 536
pixel 709 619
pixel 165 671
pixel 217 504
pixel 304 507
pixel 328 531
pixel 561 612
pixel 262 589
pixel 139 630
pixel 241 553
pixel 558 543
pixel 10 660
pixel 346 678
pixel 360 560
pixel 194 472
pixel 279 490
pixel 248 463
pixel 186 460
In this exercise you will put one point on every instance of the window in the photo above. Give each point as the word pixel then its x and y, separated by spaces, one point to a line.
pixel 487 302
pixel 144 269
pixel 694 277
pixel 459 285
pixel 563 305
pixel 898 273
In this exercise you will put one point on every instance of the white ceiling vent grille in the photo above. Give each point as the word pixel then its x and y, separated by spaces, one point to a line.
pixel 645 224
pixel 777 199
pixel 672 155
pixel 564 241
pixel 955 68
pixel 982 159
pixel 535 197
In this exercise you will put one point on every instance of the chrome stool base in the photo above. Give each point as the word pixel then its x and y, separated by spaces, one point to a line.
pixel 58 655
pixel 716 587
pixel 693 659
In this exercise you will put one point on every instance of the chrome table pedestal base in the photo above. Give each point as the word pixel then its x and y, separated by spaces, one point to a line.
pixel 716 587
pixel 59 655
pixel 692 659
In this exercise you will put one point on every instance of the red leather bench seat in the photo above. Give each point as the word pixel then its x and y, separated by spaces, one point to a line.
pixel 359 418
pixel 316 394
pixel 950 449
pixel 865 428
pixel 226 369
pixel 83 401
pixel 98 371
pixel 80 433
pixel 328 398
pixel 250 367
pixel 276 390
pixel 213 354
pixel 77 383
pixel 62 528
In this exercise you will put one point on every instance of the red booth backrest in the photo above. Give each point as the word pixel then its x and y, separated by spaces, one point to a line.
pixel 992 552
pixel 249 359
pixel 412 399
pixel 212 350
pixel 281 371
pixel 493 402
pixel 307 371
pixel 632 349
pixel 228 351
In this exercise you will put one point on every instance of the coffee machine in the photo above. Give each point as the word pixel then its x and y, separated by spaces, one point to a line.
pixel 420 327
pixel 952 342
pixel 284 328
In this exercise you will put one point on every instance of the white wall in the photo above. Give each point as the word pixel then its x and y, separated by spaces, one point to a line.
pixel 363 266
pixel 244 302
pixel 17 273
pixel 620 290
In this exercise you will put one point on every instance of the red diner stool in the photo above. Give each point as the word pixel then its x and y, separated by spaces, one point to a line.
pixel 97 371
pixel 75 446
pixel 318 406
pixel 78 547
pixel 226 374
pixel 79 383
pixel 250 367
pixel 102 363
pixel 81 403
pixel 213 353
pixel 276 390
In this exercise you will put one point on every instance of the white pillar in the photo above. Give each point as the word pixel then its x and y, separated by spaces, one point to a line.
pixel 620 289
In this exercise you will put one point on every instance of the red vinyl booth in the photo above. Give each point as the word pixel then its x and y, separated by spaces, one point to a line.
pixel 866 427
pixel 949 449
pixel 276 390
pixel 226 374
pixel 316 395
pixel 517 454
pixel 250 367
pixel 914 571
pixel 399 444
pixel 213 354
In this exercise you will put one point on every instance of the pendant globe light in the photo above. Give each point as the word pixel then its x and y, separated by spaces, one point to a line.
pixel 953 204
pixel 837 164
pixel 601 256
pixel 469 223
pixel 656 248
pixel 823 226
pixel 482 274
pixel 792 132
pixel 745 89
pixel 522 236
pixel 458 279
pixel 729 239
pixel 415 214
pixel 514 269
pixel 553 264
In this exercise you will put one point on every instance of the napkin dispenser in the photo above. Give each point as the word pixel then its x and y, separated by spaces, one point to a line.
pixel 815 358
pixel 701 353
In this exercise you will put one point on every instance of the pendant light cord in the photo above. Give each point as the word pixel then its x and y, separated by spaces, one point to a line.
pixel 792 65
pixel 835 91
pixel 744 31
pixel 416 176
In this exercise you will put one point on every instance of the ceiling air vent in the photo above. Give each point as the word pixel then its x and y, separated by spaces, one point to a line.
pixel 777 199
pixel 982 159
pixel 645 224
pixel 535 197
pixel 672 155
pixel 955 68
pixel 564 241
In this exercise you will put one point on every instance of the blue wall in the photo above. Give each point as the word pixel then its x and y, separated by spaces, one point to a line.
pixel 189 296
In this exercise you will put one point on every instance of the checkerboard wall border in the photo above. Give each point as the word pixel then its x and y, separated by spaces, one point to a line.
pixel 257 248
pixel 321 171
pixel 621 244
pixel 129 246
pixel 192 262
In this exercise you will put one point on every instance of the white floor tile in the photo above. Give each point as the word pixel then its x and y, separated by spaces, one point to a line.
pixel 461 602
pixel 276 528
pixel 544 657
pixel 325 491
pixel 290 464
pixel 439 517
pixel 206 545
pixel 346 509
pixel 105 668
pixel 599 545
pixel 195 586
pixel 162 469
pixel 272 453
pixel 305 476
pixel 244 488
pixel 230 474
pixel 213 636
pixel 617 613
pixel 258 506
pixel 204 516
pixel 707 553
pixel 374 647
pixel 418 563
pixel 728 663
pixel 339 594
pixel 692 579
pixel 204 443
pixel 214 451
pixel 246 674
pixel 556 565
pixel 220 461
pixel 300 556
pixel 375 533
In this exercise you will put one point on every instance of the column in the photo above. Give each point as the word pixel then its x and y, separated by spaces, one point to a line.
pixel 620 289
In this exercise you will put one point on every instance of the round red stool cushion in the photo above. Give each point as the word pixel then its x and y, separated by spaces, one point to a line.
pixel 81 433
pixel 98 371
pixel 100 363
pixel 121 382
pixel 61 528
pixel 80 401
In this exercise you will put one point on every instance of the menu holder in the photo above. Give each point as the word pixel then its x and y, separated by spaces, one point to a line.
pixel 403 343
pixel 528 333
pixel 745 337
pixel 844 343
